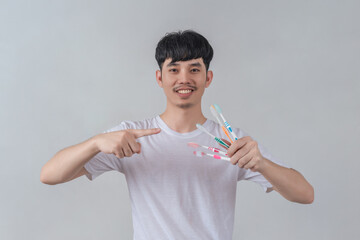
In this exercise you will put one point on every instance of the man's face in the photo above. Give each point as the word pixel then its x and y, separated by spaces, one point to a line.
pixel 184 82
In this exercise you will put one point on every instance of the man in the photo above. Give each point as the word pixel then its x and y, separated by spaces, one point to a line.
pixel 174 194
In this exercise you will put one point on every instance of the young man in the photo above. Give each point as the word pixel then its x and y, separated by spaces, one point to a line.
pixel 174 194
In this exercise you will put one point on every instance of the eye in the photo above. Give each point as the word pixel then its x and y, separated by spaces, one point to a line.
pixel 173 70
pixel 195 70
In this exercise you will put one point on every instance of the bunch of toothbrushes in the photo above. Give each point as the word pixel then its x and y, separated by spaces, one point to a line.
pixel 216 111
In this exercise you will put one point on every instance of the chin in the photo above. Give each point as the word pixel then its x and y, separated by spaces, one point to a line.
pixel 185 105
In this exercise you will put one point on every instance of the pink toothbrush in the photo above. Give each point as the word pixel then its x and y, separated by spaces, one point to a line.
pixel 201 154
pixel 195 145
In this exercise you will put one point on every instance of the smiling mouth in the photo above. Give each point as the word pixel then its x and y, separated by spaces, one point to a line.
pixel 184 91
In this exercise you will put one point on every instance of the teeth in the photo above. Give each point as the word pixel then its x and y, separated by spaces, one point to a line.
pixel 184 91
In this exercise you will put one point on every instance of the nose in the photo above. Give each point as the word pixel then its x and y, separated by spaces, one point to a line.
pixel 184 77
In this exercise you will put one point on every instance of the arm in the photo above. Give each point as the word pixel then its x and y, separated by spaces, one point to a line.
pixel 68 163
pixel 288 182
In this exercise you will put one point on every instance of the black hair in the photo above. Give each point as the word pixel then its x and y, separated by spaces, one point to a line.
pixel 183 46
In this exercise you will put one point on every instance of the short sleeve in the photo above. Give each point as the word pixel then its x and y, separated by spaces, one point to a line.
pixel 103 162
pixel 247 174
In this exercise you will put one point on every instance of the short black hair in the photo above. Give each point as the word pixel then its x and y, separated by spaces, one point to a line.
pixel 183 46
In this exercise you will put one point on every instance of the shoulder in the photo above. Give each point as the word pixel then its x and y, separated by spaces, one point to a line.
pixel 135 124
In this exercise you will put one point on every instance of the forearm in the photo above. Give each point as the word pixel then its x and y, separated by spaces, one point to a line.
pixel 288 182
pixel 67 162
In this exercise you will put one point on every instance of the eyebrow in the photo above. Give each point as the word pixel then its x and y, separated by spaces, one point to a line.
pixel 196 64
pixel 172 64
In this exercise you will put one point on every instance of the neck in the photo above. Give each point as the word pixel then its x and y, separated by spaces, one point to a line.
pixel 183 120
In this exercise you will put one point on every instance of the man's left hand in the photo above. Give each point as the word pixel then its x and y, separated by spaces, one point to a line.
pixel 245 153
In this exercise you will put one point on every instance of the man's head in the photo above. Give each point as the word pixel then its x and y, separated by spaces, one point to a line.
pixel 184 59
pixel 183 46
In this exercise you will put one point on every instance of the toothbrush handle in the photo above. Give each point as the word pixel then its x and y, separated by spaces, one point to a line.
pixel 230 130
pixel 217 151
pixel 221 142
pixel 219 157
pixel 227 134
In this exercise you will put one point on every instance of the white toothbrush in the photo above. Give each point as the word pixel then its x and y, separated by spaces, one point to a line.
pixel 218 109
pixel 225 130
pixel 201 154
pixel 195 145
pixel 199 126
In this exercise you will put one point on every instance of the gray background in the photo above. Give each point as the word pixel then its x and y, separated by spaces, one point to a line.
pixel 287 72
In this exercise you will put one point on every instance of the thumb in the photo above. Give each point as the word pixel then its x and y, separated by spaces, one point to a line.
pixel 145 132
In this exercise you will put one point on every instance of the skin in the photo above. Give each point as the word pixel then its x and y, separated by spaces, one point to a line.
pixel 245 153
pixel 181 115
pixel 68 163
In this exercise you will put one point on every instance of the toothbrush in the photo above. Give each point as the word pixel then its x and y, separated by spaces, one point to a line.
pixel 199 126
pixel 201 154
pixel 195 145
pixel 218 109
pixel 213 111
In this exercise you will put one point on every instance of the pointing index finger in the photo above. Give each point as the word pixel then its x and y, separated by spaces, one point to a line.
pixel 145 132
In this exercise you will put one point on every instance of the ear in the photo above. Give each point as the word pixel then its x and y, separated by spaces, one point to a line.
pixel 209 78
pixel 158 78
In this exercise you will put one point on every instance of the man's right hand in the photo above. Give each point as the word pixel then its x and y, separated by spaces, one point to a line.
pixel 122 143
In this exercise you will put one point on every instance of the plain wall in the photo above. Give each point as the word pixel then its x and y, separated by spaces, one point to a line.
pixel 286 72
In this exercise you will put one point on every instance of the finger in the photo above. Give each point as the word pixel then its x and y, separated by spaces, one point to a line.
pixel 139 147
pixel 237 145
pixel 144 132
pixel 223 146
pixel 240 154
pixel 227 142
pixel 119 153
pixel 127 151
pixel 250 165
pixel 122 154
pixel 244 160
pixel 134 146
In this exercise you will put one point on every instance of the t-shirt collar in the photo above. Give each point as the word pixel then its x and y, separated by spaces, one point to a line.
pixel 191 134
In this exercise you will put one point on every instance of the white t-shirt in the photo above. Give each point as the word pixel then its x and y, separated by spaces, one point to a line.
pixel 174 194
